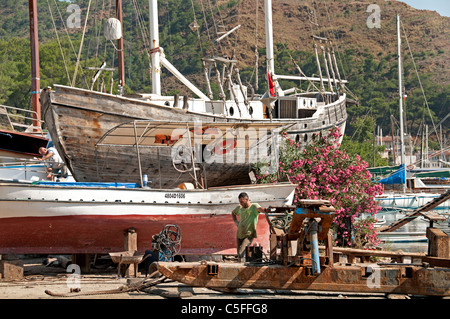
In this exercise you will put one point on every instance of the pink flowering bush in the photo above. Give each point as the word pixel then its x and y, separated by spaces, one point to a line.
pixel 364 232
pixel 323 171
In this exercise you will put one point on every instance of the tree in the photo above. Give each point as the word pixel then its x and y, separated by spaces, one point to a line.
pixel 362 142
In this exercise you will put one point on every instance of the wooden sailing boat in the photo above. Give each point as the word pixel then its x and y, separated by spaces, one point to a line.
pixel 77 118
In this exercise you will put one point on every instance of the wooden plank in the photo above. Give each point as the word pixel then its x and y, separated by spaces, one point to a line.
pixel 437 261
pixel 376 253
pixel 432 216
pixel 313 202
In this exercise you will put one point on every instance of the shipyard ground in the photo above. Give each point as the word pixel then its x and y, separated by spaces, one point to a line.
pixel 38 278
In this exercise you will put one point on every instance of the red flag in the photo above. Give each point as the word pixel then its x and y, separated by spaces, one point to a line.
pixel 271 86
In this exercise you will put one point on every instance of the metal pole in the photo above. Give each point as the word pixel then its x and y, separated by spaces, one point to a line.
pixel 138 154
pixel 314 246
pixel 394 155
pixel 400 91
pixel 35 80
pixel 270 56
pixel 120 48
pixel 154 47
pixel 269 37
pixel 322 87
pixel 192 155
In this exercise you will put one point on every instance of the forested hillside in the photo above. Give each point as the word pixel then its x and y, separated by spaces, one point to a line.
pixel 367 55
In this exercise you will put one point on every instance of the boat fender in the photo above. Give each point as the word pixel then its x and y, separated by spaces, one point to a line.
pixel 186 186
pixel 166 139
pixel 112 29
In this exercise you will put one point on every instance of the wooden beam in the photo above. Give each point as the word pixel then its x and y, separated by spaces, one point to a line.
pixel 376 253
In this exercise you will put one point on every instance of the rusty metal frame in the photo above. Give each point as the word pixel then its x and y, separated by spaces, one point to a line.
pixel 366 278
pixel 422 275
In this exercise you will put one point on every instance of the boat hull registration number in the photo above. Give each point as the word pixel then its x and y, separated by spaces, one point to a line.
pixel 175 195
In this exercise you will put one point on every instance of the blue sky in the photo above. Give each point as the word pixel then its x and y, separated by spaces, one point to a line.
pixel 441 6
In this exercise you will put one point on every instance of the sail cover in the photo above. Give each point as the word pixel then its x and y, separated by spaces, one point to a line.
pixel 397 177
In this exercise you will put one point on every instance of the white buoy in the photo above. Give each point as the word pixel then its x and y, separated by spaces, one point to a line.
pixel 112 29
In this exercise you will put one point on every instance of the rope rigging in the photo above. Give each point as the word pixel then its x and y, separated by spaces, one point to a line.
pixel 421 86
pixel 59 42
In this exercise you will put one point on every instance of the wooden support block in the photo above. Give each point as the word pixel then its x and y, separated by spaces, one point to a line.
pixel 351 258
pixel 130 244
pixel 273 246
pixel 438 243
pixel 329 250
pixel 284 250
pixel 11 269
pixel 130 240
pixel 83 261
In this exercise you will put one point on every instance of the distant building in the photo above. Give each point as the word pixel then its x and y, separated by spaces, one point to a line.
pixel 432 158
pixel 394 148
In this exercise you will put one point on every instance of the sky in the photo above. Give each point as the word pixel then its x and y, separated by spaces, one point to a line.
pixel 441 6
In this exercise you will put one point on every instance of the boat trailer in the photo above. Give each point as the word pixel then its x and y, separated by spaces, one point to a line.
pixel 294 262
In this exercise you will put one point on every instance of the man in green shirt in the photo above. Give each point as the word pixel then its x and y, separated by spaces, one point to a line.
pixel 246 225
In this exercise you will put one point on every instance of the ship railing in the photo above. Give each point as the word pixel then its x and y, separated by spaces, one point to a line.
pixel 17 119
pixel 24 165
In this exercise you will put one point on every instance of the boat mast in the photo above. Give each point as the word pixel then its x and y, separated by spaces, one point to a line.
pixel 120 48
pixel 158 57
pixel 154 47
pixel 270 57
pixel 35 80
pixel 400 85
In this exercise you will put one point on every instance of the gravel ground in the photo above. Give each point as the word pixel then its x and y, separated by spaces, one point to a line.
pixel 39 278
pixel 28 296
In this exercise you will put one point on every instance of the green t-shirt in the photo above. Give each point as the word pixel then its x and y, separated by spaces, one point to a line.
pixel 247 220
